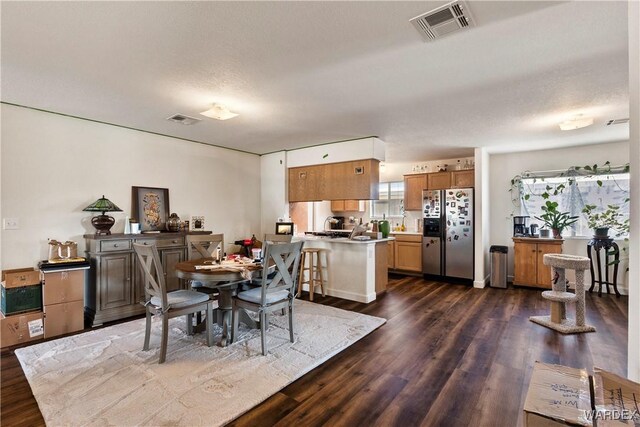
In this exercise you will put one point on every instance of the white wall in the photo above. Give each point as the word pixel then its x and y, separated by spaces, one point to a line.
pixel 505 166
pixel 634 136
pixel 54 166
pixel 482 197
pixel 273 190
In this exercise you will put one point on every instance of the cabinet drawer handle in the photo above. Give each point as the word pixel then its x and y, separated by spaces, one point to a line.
pixel 174 241
pixel 115 245
pixel 146 243
pixel 533 250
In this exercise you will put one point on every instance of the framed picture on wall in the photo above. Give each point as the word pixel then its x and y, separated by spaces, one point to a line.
pixel 150 206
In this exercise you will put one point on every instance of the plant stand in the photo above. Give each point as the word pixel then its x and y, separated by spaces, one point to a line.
pixel 598 244
pixel 559 296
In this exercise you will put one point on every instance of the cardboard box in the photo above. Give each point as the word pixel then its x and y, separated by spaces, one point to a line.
pixel 557 396
pixel 617 400
pixel 62 286
pixel 561 396
pixel 63 318
pixel 21 328
pixel 20 277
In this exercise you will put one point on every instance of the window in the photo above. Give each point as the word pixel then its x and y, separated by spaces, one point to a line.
pixel 578 191
pixel 391 202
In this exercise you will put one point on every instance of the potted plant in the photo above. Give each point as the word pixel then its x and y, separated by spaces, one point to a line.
pixel 556 220
pixel 602 221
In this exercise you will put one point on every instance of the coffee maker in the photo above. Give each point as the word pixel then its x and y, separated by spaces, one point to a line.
pixel 521 226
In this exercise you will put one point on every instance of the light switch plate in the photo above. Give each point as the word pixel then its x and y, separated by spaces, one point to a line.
pixel 10 223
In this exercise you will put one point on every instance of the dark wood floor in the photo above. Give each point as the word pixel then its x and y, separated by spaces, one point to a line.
pixel 449 355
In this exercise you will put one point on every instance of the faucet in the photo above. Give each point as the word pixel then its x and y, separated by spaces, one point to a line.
pixel 330 219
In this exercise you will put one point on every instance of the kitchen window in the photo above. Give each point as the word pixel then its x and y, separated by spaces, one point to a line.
pixel 599 190
pixel 391 201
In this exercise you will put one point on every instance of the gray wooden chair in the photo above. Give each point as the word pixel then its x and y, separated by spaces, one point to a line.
pixel 204 245
pixel 275 293
pixel 278 238
pixel 168 304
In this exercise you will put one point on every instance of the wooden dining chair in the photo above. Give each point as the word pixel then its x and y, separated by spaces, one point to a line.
pixel 275 293
pixel 204 245
pixel 278 238
pixel 168 304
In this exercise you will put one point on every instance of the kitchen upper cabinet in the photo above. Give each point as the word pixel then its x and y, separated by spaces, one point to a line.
pixel 413 186
pixel 347 206
pixel 529 266
pixel 439 181
pixel 462 179
pixel 354 180
pixel 306 183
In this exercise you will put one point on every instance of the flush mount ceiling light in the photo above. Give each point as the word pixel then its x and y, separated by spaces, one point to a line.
pixel 219 112
pixel 576 122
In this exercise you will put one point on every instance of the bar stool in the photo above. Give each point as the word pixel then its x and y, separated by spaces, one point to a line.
pixel 311 262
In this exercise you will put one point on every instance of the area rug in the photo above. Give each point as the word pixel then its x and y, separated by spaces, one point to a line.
pixel 103 377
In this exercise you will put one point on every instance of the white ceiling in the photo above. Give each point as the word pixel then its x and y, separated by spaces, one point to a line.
pixel 306 73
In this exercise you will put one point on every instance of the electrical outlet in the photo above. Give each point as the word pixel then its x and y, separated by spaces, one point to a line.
pixel 10 223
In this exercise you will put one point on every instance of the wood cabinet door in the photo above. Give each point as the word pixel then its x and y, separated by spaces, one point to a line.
pixel 306 183
pixel 439 180
pixel 169 258
pixel 353 206
pixel 337 205
pixel 462 179
pixel 408 256
pixel 116 288
pixel 413 186
pixel 391 253
pixel 526 262
pixel 544 272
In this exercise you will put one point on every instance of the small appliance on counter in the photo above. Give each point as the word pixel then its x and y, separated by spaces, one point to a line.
pixel 338 224
pixel 284 227
pixel 521 226
pixel 534 230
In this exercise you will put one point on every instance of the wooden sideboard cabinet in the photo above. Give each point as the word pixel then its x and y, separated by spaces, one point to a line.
pixel 115 287
pixel 529 268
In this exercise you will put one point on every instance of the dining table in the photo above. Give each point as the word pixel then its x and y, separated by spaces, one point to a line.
pixel 225 278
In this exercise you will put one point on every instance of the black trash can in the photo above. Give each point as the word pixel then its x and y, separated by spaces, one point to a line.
pixel 499 266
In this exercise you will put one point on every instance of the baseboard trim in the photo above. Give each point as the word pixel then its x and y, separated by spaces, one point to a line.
pixel 481 284
pixel 351 296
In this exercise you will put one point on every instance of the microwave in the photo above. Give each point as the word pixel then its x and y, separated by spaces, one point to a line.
pixel 284 228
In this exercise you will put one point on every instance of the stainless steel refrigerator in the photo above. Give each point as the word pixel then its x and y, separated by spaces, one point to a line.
pixel 447 241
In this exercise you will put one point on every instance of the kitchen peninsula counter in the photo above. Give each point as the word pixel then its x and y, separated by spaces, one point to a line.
pixel 357 268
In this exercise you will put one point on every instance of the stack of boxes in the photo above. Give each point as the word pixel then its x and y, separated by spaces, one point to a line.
pixel 43 303
pixel 22 318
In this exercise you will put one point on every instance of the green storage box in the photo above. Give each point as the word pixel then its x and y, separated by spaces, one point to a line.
pixel 21 299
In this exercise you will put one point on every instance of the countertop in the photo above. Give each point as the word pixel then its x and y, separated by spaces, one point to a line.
pixel 340 240
pixel 415 233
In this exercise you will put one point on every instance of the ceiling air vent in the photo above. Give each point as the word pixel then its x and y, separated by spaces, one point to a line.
pixel 443 20
pixel 182 119
pixel 617 121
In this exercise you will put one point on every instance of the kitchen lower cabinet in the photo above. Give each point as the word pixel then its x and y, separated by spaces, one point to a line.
pixel 407 253
pixel 391 254
pixel 529 267
pixel 115 287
